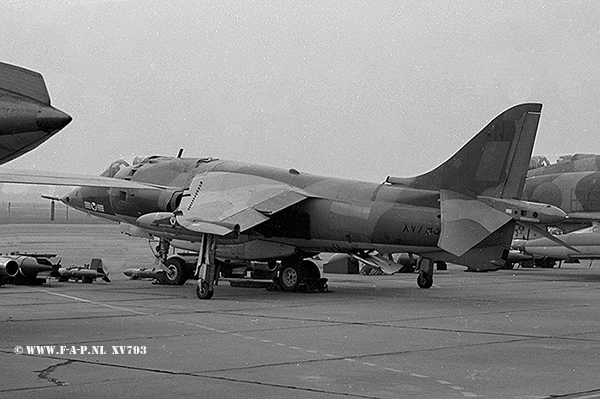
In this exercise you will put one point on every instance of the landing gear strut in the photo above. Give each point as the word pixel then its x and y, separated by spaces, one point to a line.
pixel 163 250
pixel 206 268
pixel 168 273
pixel 425 278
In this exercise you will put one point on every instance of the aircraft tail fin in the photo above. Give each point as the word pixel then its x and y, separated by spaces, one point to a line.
pixel 494 163
pixel 23 82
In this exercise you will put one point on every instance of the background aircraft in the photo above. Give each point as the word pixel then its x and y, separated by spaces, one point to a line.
pixel 26 117
pixel 573 184
pixel 540 165
pixel 463 212
pixel 546 252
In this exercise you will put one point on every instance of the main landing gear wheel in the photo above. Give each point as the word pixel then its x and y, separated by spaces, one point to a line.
pixel 424 280
pixel 202 290
pixel 290 277
pixel 176 272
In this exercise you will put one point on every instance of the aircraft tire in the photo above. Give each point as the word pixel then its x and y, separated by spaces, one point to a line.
pixel 310 269
pixel 202 291
pixel 290 276
pixel 176 273
pixel 424 280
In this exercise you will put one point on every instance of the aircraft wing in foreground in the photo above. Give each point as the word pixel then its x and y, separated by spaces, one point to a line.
pixel 463 212
pixel 26 117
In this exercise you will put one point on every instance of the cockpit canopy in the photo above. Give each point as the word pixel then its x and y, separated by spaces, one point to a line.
pixel 119 164
pixel 114 167
pixel 141 159
pixel 182 164
pixel 539 161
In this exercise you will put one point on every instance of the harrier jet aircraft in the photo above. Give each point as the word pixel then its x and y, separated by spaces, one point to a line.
pixel 463 211
pixel 584 243
pixel 573 184
pixel 26 117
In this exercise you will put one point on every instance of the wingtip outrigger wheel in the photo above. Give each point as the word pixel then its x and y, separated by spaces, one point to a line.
pixel 206 269
pixel 203 291
pixel 425 278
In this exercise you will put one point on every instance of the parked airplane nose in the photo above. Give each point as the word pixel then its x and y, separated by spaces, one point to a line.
pixel 49 119
pixel 71 198
pixel 551 214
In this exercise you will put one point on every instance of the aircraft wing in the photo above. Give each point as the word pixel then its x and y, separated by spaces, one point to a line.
pixel 221 203
pixel 68 179
pixel 27 119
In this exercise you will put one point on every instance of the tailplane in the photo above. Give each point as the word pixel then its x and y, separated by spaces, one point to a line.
pixel 494 163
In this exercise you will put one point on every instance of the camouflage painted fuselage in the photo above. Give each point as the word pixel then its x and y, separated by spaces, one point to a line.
pixel 342 215
pixel 573 186
pixel 463 211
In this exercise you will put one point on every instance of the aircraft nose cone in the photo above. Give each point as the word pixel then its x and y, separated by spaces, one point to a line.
pixel 49 119
pixel 69 198
pixel 553 214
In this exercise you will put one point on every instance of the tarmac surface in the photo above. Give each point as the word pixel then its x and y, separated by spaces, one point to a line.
pixel 525 333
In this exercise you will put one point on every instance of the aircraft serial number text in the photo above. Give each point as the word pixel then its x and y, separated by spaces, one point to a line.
pixel 80 350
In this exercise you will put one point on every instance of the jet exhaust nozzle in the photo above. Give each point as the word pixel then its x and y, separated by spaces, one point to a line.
pixel 8 267
pixel 24 266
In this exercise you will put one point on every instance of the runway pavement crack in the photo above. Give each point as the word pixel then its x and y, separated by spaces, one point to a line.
pixel 594 393
pixel 400 320
pixel 45 373
pixel 334 323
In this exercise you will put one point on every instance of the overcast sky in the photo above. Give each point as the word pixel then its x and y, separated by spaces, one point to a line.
pixel 355 89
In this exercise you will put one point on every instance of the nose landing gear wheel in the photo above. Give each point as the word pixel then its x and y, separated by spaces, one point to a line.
pixel 175 275
pixel 202 291
pixel 424 280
